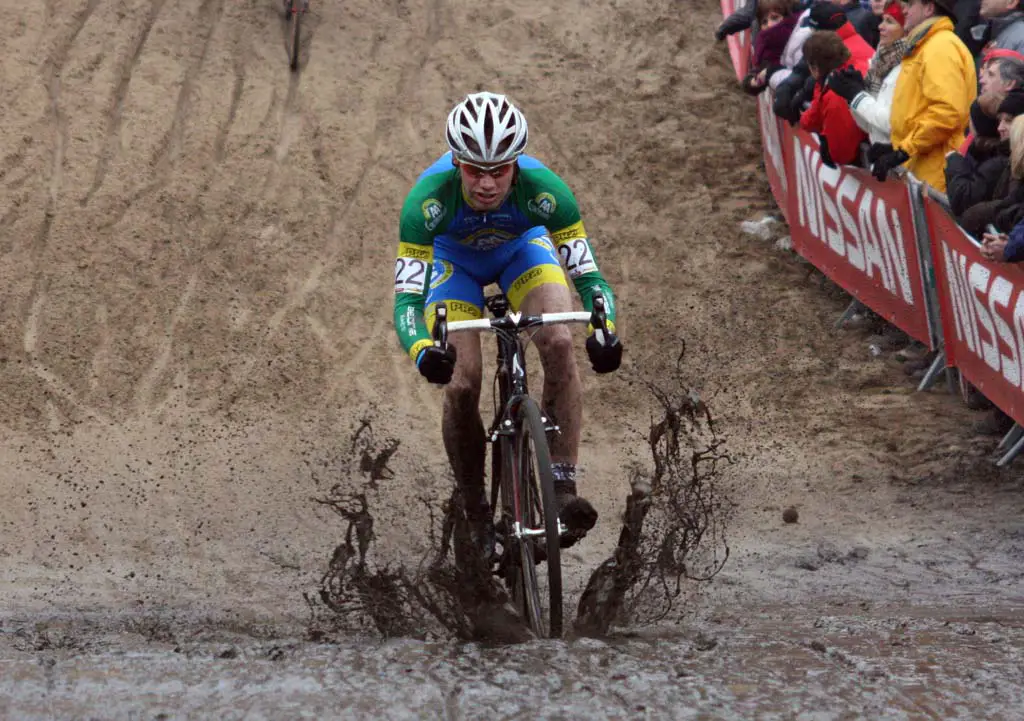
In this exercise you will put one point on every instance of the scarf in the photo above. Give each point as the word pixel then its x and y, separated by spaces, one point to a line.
pixel 918 33
pixel 886 58
pixel 771 43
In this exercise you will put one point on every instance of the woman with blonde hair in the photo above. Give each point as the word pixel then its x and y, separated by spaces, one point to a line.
pixel 1003 248
pixel 1006 205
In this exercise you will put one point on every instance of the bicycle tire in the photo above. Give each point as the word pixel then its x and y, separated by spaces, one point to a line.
pixel 502 474
pixel 296 26
pixel 536 490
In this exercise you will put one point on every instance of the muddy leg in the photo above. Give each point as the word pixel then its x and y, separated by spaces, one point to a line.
pixel 462 427
pixel 563 392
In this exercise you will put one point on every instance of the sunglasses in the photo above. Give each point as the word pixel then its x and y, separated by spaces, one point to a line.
pixel 495 171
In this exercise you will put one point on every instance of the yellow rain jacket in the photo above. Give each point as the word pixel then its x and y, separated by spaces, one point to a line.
pixel 931 104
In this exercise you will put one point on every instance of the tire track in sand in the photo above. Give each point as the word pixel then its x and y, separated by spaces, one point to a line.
pixel 289 128
pixel 220 143
pixel 51 70
pixel 116 110
pixel 169 150
pixel 417 56
pixel 380 342
pixel 148 382
pixel 166 155
pixel 30 341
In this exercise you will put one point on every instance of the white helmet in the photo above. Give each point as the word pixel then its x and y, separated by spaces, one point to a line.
pixel 486 128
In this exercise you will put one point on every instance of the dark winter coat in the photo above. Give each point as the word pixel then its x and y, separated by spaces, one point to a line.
pixel 972 178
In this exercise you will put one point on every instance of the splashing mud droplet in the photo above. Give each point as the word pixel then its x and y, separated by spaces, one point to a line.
pixel 673 531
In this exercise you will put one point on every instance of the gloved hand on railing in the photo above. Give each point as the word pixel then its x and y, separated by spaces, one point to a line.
pixel 877 150
pixel 890 161
pixel 826 155
pixel 847 83
pixel 437 364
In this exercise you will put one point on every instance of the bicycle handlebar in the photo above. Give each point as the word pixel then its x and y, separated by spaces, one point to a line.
pixel 515 322
pixel 524 322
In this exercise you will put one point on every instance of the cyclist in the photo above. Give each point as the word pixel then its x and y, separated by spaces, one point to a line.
pixel 483 213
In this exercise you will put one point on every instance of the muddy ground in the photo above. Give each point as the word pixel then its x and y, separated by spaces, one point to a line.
pixel 195 247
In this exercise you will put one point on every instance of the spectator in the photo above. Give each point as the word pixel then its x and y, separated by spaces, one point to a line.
pixel 967 16
pixel 932 99
pixel 830 16
pixel 793 54
pixel 829 115
pixel 1006 207
pixel 1003 248
pixel 1011 106
pixel 777 24
pixel 1000 247
pixel 1001 71
pixel 972 175
pixel 795 92
pixel 742 19
pixel 1004 26
pixel 870 97
pixel 862 20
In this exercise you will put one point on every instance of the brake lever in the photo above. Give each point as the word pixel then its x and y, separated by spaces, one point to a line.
pixel 441 326
pixel 599 318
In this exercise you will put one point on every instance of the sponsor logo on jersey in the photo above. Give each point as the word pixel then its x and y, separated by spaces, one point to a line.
pixel 420 252
pixel 462 308
pixel 525 278
pixel 441 272
pixel 543 205
pixel 433 211
pixel 544 242
pixel 488 238
pixel 571 232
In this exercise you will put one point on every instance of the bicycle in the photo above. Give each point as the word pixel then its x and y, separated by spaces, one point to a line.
pixel 295 9
pixel 528 530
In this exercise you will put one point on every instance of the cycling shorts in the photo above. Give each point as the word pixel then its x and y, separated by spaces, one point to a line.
pixel 460 273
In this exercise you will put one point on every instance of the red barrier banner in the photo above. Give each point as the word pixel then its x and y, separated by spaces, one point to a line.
pixel 774 158
pixel 857 231
pixel 739 44
pixel 982 308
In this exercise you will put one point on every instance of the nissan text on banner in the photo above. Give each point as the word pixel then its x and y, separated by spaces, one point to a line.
pixel 857 231
pixel 982 309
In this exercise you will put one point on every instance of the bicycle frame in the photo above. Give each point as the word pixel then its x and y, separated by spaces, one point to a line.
pixel 511 368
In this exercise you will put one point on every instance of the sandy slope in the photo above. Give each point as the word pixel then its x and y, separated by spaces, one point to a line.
pixel 195 253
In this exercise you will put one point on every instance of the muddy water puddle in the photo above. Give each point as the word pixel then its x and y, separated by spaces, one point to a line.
pixel 785 664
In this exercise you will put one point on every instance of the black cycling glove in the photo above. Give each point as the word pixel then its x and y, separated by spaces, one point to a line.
pixel 607 356
pixel 436 365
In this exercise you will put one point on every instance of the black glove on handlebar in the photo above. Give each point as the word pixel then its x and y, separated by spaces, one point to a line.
pixel 436 364
pixel 604 357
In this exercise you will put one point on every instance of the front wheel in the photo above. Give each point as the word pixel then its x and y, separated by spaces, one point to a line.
pixel 537 515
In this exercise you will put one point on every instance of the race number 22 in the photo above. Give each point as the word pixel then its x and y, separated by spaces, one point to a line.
pixel 410 275
pixel 577 257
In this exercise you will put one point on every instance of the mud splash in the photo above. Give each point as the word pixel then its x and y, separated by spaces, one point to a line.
pixel 675 519
pixel 673 532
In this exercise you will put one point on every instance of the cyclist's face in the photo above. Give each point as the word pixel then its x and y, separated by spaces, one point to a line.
pixel 486 188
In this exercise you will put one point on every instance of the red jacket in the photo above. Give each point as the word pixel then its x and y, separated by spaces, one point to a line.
pixel 860 52
pixel 830 116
